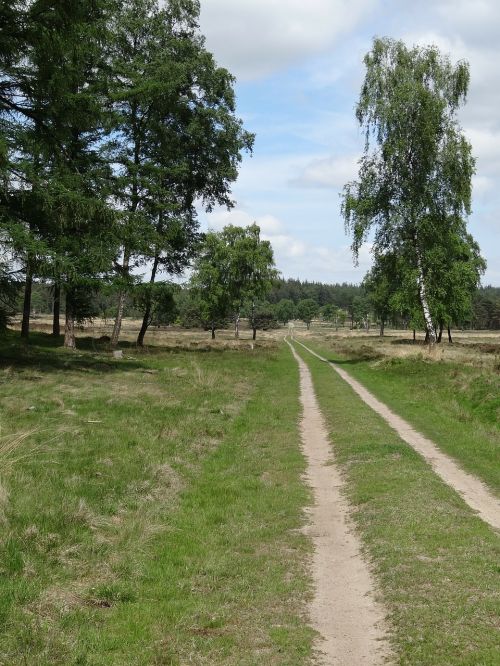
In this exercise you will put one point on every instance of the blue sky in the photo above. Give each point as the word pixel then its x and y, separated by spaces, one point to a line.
pixel 299 70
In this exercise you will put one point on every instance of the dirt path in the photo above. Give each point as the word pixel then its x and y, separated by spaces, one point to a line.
pixel 343 610
pixel 473 491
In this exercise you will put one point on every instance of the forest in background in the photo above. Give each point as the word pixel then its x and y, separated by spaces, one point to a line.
pixel 352 299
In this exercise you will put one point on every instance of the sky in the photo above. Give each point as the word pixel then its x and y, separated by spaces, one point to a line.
pixel 299 68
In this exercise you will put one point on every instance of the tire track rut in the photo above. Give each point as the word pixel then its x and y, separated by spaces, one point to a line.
pixel 344 610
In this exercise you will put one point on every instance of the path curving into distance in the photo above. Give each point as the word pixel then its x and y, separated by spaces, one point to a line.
pixel 472 490
pixel 343 610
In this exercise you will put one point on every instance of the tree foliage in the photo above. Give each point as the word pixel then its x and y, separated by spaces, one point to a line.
pixel 285 310
pixel 414 187
pixel 179 140
pixel 235 269
pixel 114 121
pixel 307 310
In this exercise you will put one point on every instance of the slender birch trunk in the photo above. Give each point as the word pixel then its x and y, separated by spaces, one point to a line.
pixel 429 326
pixel 121 302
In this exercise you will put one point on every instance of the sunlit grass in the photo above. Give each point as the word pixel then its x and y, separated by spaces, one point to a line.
pixel 151 507
pixel 456 404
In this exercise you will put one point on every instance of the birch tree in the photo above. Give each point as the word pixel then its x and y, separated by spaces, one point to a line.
pixel 414 184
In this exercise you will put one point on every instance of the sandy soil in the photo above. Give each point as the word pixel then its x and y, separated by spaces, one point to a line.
pixel 474 492
pixel 343 611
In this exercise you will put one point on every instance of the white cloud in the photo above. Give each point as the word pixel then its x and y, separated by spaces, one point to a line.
pixel 479 21
pixel 307 135
pixel 486 148
pixel 324 264
pixel 239 218
pixel 295 257
pixel 481 185
pixel 254 38
pixel 331 172
pixel 483 98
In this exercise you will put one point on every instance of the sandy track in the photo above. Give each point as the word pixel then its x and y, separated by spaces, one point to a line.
pixel 343 611
pixel 473 491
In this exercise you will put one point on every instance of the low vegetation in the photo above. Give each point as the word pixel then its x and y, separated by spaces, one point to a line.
pixel 453 396
pixel 151 507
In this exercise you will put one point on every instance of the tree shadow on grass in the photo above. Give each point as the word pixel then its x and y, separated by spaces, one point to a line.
pixel 45 353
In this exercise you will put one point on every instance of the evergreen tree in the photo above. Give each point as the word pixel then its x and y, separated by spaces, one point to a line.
pixel 58 222
pixel 179 140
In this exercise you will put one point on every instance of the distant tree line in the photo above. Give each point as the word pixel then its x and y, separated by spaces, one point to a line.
pixel 347 305
pixel 486 308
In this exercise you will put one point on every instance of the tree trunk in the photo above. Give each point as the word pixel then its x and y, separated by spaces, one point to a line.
pixel 56 310
pixel 146 320
pixel 414 335
pixel 254 334
pixel 144 325
pixel 121 302
pixel 429 326
pixel 440 334
pixel 449 335
pixel 28 286
pixel 308 325
pixel 69 327
pixel 213 332
pixel 237 326
pixel 382 328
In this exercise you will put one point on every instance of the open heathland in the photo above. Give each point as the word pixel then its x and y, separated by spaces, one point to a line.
pixel 451 395
pixel 151 507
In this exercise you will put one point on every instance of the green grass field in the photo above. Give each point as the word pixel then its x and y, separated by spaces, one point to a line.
pixel 151 508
